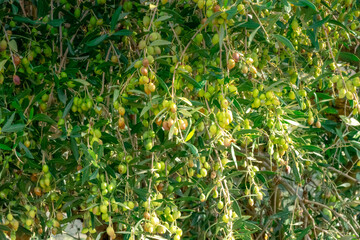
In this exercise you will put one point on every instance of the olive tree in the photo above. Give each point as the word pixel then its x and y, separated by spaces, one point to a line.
pixel 171 119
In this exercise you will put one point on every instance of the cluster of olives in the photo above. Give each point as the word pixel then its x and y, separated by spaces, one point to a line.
pixel 147 79
pixel 87 227
pixel 96 135
pixel 346 87
pixel 280 144
pixel 82 105
pixel 227 217
pixel 204 167
pixel 13 224
pixel 154 224
pixel 147 76
pixel 248 62
pixel 268 98
pixel 53 224
pixel 93 22
pixel 279 139
pixel 125 159
pixel 44 182
pixel 22 64
pixel 210 91
pixel 29 216
pixel 148 138
pixel 180 124
pixel 43 103
pixel 211 7
pixel 30 221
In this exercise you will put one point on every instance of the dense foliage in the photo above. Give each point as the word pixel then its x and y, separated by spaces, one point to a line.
pixel 179 119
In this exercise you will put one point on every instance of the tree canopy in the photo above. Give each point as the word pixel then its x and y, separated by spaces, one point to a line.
pixel 180 119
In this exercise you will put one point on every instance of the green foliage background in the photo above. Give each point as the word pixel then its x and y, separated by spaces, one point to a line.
pixel 180 119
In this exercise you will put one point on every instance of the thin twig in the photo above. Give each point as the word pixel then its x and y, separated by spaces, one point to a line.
pixel 11 53
pixel 103 75
pixel 262 26
pixel 344 174
pixel 334 212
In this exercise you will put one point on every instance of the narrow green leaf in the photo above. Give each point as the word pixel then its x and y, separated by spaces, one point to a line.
pixel 249 24
pixel 85 174
pixel 31 115
pixel 67 108
pixel 141 193
pixel 56 22
pixel 177 167
pixel 43 118
pixel 320 23
pixel 97 40
pixel 347 237
pixel 110 171
pixel 312 148
pixel 296 172
pixel 94 174
pixel 116 94
pixel 191 80
pixel 309 4
pixel 231 12
pixel 74 148
pixel 295 123
pixel 272 21
pixel 27 151
pixel 9 121
pixel 160 42
pixel 348 57
pixel 2 64
pixel 163 18
pixel 338 24
pixel 247 131
pixel 221 35
pixel 187 101
pixel 226 3
pixel 14 8
pixel 355 144
pixel 123 32
pixel 14 128
pixel 4 228
pixel 303 233
pixel 4 147
pixel 115 18
pixel 236 207
pixel 2 234
pixel 163 84
pixel 284 41
pixel 187 199
pixel 25 20
pixel 177 18
pixel 42 8
pixel 185 112
pixel 61 95
pixel 145 109
pixel 252 35
pixel 193 149
pixel 82 81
